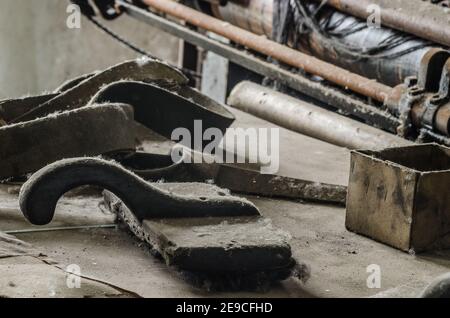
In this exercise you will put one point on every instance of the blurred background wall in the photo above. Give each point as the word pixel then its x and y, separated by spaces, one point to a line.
pixel 38 51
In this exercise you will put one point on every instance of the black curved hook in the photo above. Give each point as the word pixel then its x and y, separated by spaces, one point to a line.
pixel 163 109
pixel 40 194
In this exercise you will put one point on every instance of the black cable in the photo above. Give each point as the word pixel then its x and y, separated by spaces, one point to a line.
pixel 118 38
pixel 302 19
pixel 133 47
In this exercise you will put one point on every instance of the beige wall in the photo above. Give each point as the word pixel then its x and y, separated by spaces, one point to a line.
pixel 38 51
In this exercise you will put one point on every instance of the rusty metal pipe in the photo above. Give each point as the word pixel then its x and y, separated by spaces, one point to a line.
pixel 309 64
pixel 417 17
pixel 309 119
pixel 257 16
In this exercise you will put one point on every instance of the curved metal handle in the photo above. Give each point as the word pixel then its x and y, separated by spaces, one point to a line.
pixel 40 194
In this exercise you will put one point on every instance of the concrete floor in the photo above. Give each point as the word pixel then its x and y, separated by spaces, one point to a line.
pixel 337 258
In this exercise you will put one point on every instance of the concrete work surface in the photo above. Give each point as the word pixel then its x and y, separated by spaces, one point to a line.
pixel 337 259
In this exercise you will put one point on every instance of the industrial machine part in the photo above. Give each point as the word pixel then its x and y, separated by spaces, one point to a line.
pixel 199 228
pixel 78 96
pixel 232 253
pixel 88 131
pixel 379 53
pixel 163 108
pixel 416 16
pixel 330 95
pixel 308 119
pixel 399 196
pixel 279 52
pixel 398 99
pixel 103 125
pixel 422 102
pixel 153 106
pixel 237 178
pixel 14 108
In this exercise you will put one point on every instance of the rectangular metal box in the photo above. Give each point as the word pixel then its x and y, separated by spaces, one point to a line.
pixel 401 196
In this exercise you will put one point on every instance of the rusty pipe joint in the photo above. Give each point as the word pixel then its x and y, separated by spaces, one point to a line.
pixel 438 106
pixel 425 109
pixel 427 112
pixel 427 97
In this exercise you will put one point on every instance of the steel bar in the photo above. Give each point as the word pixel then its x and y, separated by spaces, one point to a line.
pixel 326 94
pixel 284 54
pixel 243 178
pixel 308 119
pixel 64 228
pixel 417 17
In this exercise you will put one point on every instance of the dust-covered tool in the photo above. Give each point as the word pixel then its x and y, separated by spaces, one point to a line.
pixel 84 117
pixel 195 227
pixel 88 131
pixel 143 69
pixel 238 178
pixel 164 107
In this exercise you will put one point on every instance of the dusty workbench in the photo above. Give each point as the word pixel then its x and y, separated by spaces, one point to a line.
pixel 338 259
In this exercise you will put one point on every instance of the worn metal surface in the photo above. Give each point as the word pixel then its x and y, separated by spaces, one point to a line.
pixel 88 131
pixel 308 119
pixel 14 108
pixel 422 102
pixel 251 182
pixel 237 250
pixel 164 108
pixel 329 95
pixel 257 16
pixel 79 95
pixel 40 194
pixel 337 258
pixel 399 196
pixel 102 131
pixel 237 178
pixel 312 65
pixel 215 74
pixel 416 16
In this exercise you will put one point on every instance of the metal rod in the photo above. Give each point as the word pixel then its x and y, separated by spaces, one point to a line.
pixel 417 17
pixel 330 95
pixel 66 228
pixel 257 16
pixel 309 64
pixel 309 120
